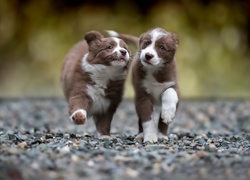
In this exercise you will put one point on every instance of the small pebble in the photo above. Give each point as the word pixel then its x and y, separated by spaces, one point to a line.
pixel 65 150
pixel 173 137
pixel 201 154
pixel 91 163
pixel 22 144
pixel 186 142
pixel 210 148
pixel 132 173
pixel 75 158
pixel 66 135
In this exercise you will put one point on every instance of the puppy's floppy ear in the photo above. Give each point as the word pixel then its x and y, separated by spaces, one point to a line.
pixel 93 36
pixel 175 39
pixel 141 37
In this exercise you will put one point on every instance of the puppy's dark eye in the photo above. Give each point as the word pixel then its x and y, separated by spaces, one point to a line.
pixel 110 47
pixel 146 43
pixel 162 48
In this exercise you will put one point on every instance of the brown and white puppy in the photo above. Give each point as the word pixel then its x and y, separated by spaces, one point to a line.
pixel 93 78
pixel 154 78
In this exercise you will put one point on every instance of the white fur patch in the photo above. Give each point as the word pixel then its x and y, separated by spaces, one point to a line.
pixel 78 110
pixel 117 50
pixel 139 136
pixel 106 137
pixel 150 131
pixel 112 33
pixel 155 34
pixel 97 94
pixel 155 88
pixel 162 136
pixel 118 47
pixel 100 75
pixel 118 63
pixel 169 102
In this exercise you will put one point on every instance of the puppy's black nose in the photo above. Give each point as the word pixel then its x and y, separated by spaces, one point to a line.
pixel 149 56
pixel 123 52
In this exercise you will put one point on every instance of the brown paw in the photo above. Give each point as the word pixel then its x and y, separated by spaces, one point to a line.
pixel 78 117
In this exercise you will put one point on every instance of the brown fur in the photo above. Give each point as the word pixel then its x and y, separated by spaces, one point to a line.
pixel 75 80
pixel 144 101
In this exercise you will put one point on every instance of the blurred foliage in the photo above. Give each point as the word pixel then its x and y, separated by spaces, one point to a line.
pixel 213 55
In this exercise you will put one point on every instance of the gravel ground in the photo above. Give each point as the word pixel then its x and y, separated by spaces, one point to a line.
pixel 209 139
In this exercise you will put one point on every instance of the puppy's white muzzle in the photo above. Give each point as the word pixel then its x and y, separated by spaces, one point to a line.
pixel 122 57
pixel 149 57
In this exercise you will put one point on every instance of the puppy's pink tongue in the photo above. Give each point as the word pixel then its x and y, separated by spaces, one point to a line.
pixel 79 118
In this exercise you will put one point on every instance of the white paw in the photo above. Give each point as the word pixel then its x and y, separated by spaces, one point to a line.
pixel 162 136
pixel 152 137
pixel 169 102
pixel 79 116
pixel 168 113
pixel 139 137
pixel 102 136
pixel 106 137
pixel 149 131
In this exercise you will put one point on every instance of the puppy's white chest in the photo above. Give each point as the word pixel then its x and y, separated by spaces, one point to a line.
pixel 97 94
pixel 155 88
pixel 101 75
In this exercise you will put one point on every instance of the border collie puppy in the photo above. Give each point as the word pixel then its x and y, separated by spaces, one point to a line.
pixel 93 77
pixel 154 77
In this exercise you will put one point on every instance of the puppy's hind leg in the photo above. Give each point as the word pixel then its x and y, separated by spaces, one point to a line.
pixel 103 124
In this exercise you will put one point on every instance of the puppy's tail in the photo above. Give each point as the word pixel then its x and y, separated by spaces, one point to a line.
pixel 126 37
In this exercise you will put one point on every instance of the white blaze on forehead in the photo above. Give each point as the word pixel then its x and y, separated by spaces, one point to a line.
pixel 118 47
pixel 156 34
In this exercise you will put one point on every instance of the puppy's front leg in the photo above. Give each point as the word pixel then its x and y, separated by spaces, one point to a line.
pixel 169 104
pixel 78 105
pixel 144 108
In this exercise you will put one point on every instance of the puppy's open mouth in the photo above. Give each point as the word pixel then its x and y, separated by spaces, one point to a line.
pixel 148 62
pixel 119 60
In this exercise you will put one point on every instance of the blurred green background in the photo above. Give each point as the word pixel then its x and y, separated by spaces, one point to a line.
pixel 213 55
